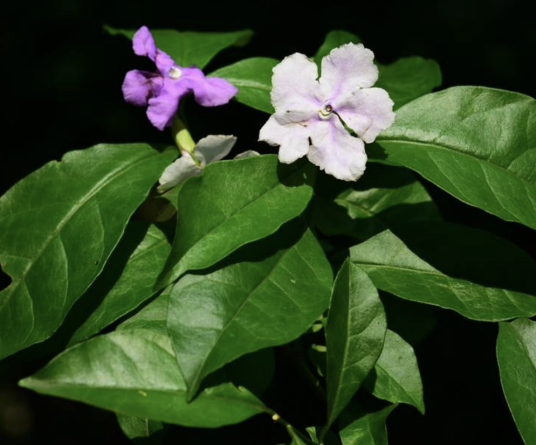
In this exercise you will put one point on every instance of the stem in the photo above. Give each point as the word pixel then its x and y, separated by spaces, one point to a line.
pixel 291 430
pixel 295 353
pixel 183 139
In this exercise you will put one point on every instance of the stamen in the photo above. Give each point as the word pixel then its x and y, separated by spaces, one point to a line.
pixel 175 73
pixel 325 112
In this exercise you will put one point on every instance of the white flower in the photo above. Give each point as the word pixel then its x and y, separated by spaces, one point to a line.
pixel 207 150
pixel 310 114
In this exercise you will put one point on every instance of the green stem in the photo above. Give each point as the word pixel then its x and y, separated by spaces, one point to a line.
pixel 183 139
pixel 292 431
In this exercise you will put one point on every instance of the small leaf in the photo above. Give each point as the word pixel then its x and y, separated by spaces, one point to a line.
pixel 135 373
pixel 384 197
pixel 117 292
pixel 477 274
pixel 253 78
pixel 396 376
pixel 333 40
pixel 266 294
pixel 367 429
pixel 231 204
pixel 409 78
pixel 516 354
pixel 354 336
pixel 90 196
pixel 191 48
pixel 478 144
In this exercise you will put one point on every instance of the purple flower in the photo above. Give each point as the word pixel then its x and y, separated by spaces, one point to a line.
pixel 311 115
pixel 163 89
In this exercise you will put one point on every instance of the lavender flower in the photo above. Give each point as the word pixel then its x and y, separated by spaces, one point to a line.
pixel 311 115
pixel 163 89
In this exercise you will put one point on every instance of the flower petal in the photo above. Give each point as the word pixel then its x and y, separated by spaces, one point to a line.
pixel 293 139
pixel 213 148
pixel 164 62
pixel 208 91
pixel 143 43
pixel 295 88
pixel 367 112
pixel 163 107
pixel 139 86
pixel 347 68
pixel 179 171
pixel 336 152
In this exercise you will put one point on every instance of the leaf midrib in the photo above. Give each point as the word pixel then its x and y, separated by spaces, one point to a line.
pixel 450 149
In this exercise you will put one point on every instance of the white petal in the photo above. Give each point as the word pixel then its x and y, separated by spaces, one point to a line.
pixel 347 68
pixel 367 112
pixel 336 152
pixel 247 154
pixel 295 88
pixel 293 139
pixel 179 171
pixel 213 148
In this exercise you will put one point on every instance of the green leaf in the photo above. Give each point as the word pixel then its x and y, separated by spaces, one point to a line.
pixel 384 197
pixel 354 336
pixel 231 204
pixel 253 78
pixel 266 294
pixel 478 144
pixel 367 429
pixel 396 376
pixel 152 317
pixel 135 373
pixel 123 287
pixel 136 428
pixel 333 40
pixel 409 78
pixel 516 354
pixel 191 48
pixel 477 274
pixel 58 227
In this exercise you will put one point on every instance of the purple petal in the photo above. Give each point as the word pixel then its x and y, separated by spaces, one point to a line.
pixel 367 112
pixel 208 91
pixel 143 43
pixel 335 151
pixel 293 139
pixel 163 107
pixel 139 86
pixel 295 88
pixel 164 62
pixel 347 68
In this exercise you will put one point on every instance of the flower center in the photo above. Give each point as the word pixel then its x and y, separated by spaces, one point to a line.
pixel 325 111
pixel 174 72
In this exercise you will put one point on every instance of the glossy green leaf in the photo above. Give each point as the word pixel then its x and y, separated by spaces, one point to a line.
pixel 89 196
pixel 367 429
pixel 354 336
pixel 396 376
pixel 135 373
pixel 478 144
pixel 152 317
pixel 266 294
pixel 253 78
pixel 477 274
pixel 135 428
pixel 409 78
pixel 384 197
pixel 191 48
pixel 231 204
pixel 117 292
pixel 333 40
pixel 516 354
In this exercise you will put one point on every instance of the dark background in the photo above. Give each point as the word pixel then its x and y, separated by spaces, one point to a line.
pixel 61 88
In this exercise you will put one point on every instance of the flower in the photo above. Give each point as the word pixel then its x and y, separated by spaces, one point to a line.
pixel 207 150
pixel 163 89
pixel 312 116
